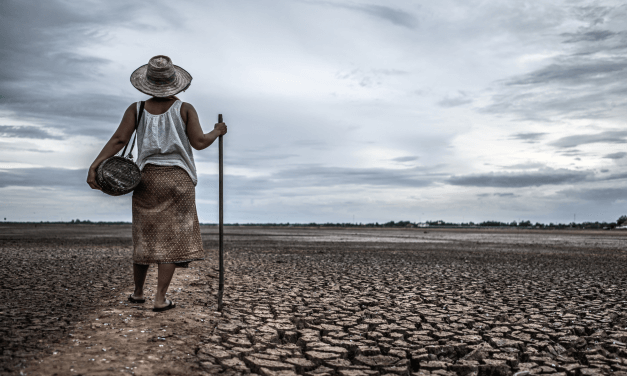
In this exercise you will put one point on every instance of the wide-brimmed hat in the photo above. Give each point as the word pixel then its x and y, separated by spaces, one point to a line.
pixel 160 78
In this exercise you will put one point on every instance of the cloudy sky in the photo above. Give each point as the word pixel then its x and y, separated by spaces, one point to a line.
pixel 338 110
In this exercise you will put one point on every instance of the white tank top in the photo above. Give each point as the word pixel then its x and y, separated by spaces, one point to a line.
pixel 162 140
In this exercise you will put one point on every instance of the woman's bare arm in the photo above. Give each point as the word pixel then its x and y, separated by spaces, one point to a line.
pixel 121 136
pixel 197 138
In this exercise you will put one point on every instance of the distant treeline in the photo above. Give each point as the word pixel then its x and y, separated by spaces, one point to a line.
pixel 622 221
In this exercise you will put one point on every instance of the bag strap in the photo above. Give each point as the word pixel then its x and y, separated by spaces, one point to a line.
pixel 139 117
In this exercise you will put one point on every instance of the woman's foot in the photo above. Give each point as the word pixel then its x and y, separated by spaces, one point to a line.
pixel 168 304
pixel 136 298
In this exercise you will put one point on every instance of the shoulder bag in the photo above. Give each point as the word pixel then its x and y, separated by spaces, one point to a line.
pixel 119 175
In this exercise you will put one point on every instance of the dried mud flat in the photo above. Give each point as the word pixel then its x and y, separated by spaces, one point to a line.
pixel 319 302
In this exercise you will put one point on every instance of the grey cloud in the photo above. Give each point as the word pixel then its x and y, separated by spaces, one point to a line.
pixel 572 153
pixel 297 182
pixel 91 114
pixel 592 14
pixel 405 159
pixel 529 137
pixel 618 155
pixel 316 176
pixel 548 102
pixel 521 179
pixel 313 144
pixel 301 177
pixel 396 16
pixel 525 166
pixel 574 74
pixel 251 159
pixel 609 137
pixel 584 81
pixel 588 36
pixel 618 176
pixel 334 176
pixel 20 145
pixel 43 177
pixel 390 72
pixel 497 194
pixel 26 132
pixel 458 100
pixel 42 76
pixel 606 195
pixel 369 78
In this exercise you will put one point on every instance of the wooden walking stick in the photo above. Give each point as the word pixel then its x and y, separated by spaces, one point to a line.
pixel 221 225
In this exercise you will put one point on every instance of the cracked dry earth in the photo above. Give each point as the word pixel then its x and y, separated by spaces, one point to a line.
pixel 327 302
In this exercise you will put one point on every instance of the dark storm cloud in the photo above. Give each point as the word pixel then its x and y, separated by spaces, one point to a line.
pixel 608 137
pixel 43 78
pixel 521 179
pixel 26 132
pixel 528 137
pixel 618 155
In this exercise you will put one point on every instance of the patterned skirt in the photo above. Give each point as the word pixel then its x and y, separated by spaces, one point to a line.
pixel 165 222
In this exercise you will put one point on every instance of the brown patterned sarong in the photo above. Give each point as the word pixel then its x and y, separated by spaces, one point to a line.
pixel 165 222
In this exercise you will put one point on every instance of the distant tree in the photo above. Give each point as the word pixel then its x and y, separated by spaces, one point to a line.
pixel 621 220
pixel 492 223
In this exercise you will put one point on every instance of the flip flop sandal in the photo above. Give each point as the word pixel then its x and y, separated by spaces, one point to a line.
pixel 169 306
pixel 133 300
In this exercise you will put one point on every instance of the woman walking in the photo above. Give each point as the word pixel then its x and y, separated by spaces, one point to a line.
pixel 165 223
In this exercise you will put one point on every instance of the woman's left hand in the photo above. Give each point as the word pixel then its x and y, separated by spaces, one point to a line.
pixel 91 179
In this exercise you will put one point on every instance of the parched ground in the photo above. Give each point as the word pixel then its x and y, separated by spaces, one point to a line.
pixel 319 302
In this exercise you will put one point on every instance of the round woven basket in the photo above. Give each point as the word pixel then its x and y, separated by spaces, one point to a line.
pixel 118 175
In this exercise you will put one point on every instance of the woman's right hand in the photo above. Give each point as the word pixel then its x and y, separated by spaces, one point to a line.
pixel 91 179
pixel 220 128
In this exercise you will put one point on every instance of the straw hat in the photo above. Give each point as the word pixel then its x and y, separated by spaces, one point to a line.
pixel 160 78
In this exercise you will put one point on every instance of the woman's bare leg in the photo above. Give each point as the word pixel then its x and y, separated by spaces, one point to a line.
pixel 166 271
pixel 139 274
